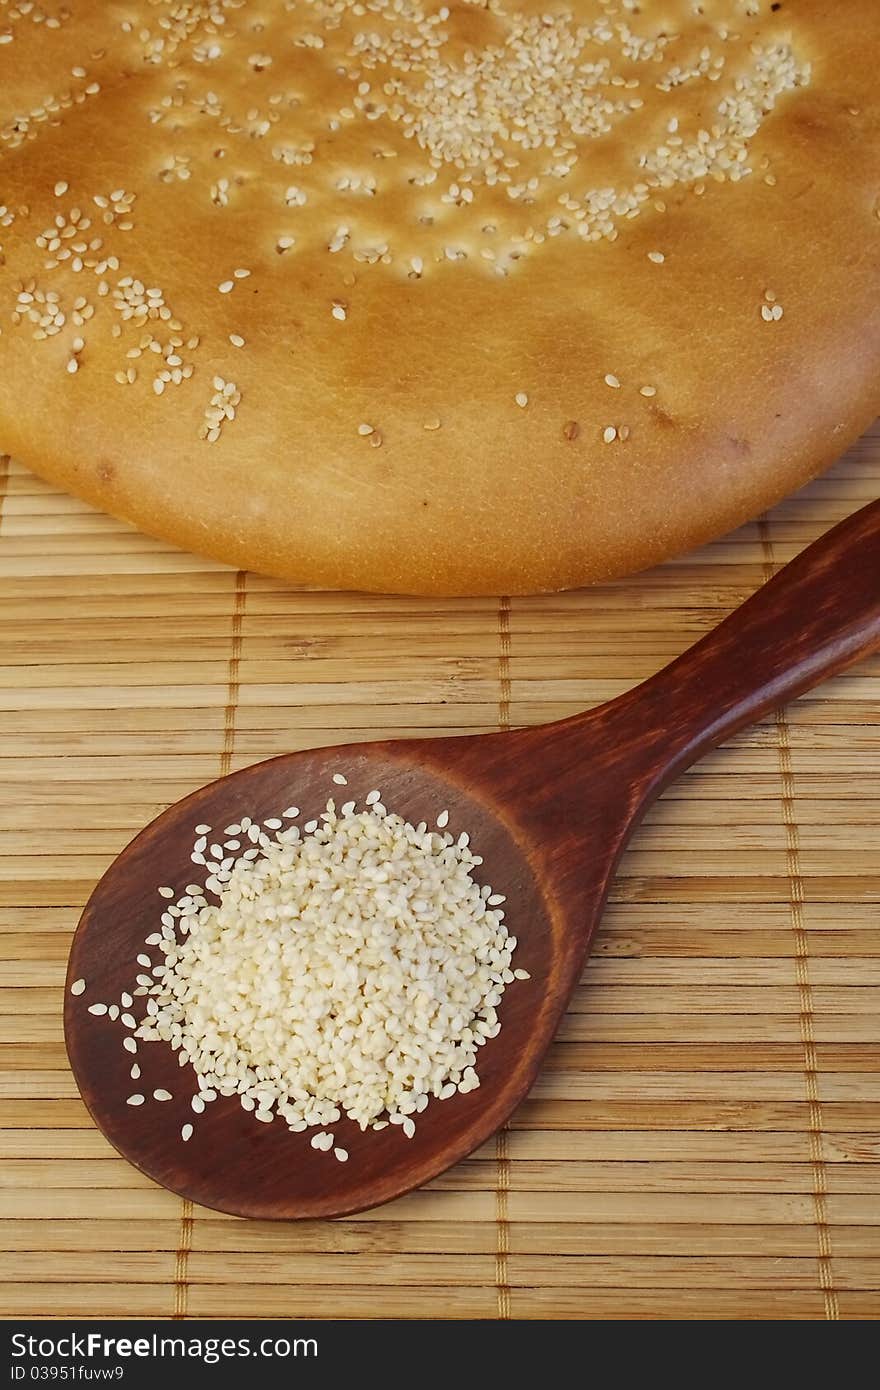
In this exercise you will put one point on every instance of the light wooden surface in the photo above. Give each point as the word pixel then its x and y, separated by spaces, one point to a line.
pixel 705 1139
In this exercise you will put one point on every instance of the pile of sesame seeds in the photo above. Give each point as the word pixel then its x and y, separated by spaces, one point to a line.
pixel 354 967
pixel 221 407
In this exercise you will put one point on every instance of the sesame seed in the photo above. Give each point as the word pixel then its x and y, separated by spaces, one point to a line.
pixel 226 286
pixel 521 399
pixel 611 380
pixel 339 312
pixel 186 1133
pixel 135 1072
pixel 97 1009
pixel 341 1155
pixel 72 365
pixel 241 274
pixel 60 188
pixel 443 820
pixel 129 1044
pixel 609 434
pixel 78 987
pixel 365 429
pixel 136 1099
pixel 236 340
pixel 647 390
pixel 340 780
pixel 657 257
pixel 166 892
pixel 432 424
pixel 161 1094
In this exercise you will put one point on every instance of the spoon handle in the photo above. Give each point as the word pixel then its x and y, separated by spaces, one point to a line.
pixel 814 618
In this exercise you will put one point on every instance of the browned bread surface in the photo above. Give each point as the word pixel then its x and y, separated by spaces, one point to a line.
pixel 481 298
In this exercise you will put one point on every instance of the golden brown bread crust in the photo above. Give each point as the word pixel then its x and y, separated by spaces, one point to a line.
pixel 454 289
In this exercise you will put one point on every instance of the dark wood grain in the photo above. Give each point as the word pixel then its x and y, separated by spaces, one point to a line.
pixel 550 810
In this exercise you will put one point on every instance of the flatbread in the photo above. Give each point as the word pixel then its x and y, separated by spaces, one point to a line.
pixel 397 296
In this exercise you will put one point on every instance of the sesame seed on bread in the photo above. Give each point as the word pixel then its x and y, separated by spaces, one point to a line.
pixel 438 298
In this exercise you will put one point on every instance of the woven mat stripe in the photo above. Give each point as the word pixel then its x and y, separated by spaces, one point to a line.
pixel 804 985
pixel 4 483
pixel 239 602
pixel 502 1143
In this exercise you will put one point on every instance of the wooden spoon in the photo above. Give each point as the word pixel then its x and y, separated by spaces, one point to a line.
pixel 550 809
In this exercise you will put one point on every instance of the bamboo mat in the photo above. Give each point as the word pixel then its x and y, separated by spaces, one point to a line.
pixel 704 1139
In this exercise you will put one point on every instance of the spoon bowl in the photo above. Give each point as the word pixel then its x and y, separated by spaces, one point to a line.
pixel 232 1162
pixel 549 810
